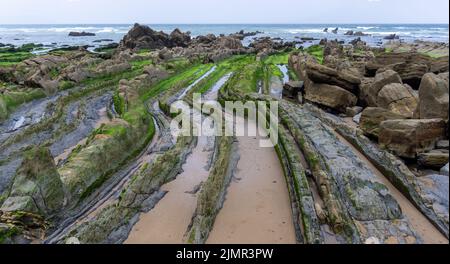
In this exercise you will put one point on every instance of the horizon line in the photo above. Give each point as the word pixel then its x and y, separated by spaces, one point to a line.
pixel 236 23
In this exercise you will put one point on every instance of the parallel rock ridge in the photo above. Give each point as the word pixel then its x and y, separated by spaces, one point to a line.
pixel 86 146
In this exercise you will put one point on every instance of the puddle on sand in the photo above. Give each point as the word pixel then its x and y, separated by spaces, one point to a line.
pixel 257 208
pixel 168 222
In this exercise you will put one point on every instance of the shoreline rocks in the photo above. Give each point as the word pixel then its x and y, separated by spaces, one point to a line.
pixel 81 34
pixel 409 137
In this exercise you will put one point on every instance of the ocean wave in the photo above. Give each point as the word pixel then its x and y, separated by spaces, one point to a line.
pixel 367 28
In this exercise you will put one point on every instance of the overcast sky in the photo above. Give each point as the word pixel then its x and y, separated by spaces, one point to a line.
pixel 222 11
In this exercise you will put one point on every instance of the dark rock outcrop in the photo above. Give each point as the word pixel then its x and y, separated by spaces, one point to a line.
pixel 143 37
pixel 81 34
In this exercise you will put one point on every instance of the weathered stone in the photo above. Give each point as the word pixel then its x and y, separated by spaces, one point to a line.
pixel 434 97
pixel 435 189
pixel 372 117
pixel 370 93
pixel 37 186
pixel 323 74
pixel 330 96
pixel 433 159
pixel 409 137
pixel 398 98
pixel 81 34
pixel 365 199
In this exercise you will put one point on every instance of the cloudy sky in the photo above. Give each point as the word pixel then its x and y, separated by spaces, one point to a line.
pixel 223 11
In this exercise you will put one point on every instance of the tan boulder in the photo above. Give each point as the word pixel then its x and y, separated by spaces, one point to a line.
pixel 330 96
pixel 409 137
pixel 435 159
pixel 370 92
pixel 398 98
pixel 434 97
pixel 323 74
pixel 372 117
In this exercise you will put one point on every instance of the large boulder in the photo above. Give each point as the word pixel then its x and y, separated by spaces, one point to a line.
pixel 37 187
pixel 331 96
pixel 398 98
pixel 372 117
pixel 409 137
pixel 179 38
pixel 370 92
pixel 323 74
pixel 143 37
pixel 434 97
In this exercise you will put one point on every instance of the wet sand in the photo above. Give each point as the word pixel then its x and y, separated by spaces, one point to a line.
pixel 168 222
pixel 419 223
pixel 257 206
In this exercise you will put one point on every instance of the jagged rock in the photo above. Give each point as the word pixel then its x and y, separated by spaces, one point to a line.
pixel 37 187
pixel 372 117
pixel 292 88
pixel 370 92
pixel 81 34
pixel 208 39
pixel 353 111
pixel 228 43
pixel 349 33
pixel 331 96
pixel 433 159
pixel 398 98
pixel 391 37
pixel 409 137
pixel 445 170
pixel 32 71
pixel 179 38
pixel 143 37
pixel 360 34
pixel 434 97
pixel 323 74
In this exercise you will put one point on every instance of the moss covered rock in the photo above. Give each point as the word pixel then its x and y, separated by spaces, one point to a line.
pixel 3 110
pixel 37 187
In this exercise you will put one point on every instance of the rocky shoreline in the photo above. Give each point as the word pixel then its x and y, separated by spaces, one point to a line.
pixel 363 135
